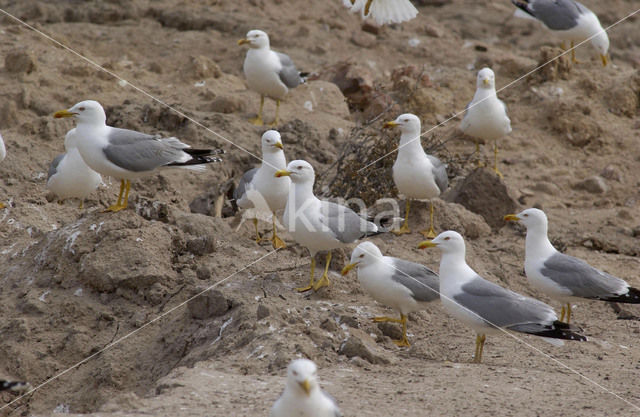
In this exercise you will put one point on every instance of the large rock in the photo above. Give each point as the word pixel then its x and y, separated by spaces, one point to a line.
pixel 483 192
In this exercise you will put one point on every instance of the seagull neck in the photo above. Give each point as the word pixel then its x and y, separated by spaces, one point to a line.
pixel 453 265
pixel 483 93
pixel 537 244
pixel 302 193
pixel 273 161
pixel 410 142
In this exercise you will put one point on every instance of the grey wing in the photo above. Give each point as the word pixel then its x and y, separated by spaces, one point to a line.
pixel 139 152
pixel 289 74
pixel 53 168
pixel 423 282
pixel 337 412
pixel 580 278
pixel 556 14
pixel 346 225
pixel 503 308
pixel 439 173
pixel 246 179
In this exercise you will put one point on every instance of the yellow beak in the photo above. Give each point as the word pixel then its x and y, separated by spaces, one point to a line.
pixel 604 60
pixel 63 113
pixel 511 218
pixel 278 145
pixel 282 173
pixel 306 386
pixel 243 41
pixel 427 244
pixel 485 81
pixel 348 268
pixel 389 124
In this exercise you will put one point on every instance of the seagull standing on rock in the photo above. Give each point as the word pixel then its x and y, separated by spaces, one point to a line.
pixel 269 73
pixel 126 154
pixel 259 191
pixel 416 174
pixel 563 277
pixel 486 115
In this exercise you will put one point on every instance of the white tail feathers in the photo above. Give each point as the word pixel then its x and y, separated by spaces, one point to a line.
pixel 384 11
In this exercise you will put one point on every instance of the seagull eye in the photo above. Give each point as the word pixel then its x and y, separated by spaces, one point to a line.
pixel 447 238
pixel 525 215
pixel 299 167
pixel 294 373
pixel 361 255
pixel 81 108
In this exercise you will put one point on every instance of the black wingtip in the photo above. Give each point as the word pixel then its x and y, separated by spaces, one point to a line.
pixel 523 6
pixel 560 330
pixel 631 297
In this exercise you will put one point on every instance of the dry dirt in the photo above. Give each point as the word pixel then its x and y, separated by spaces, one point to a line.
pixel 72 281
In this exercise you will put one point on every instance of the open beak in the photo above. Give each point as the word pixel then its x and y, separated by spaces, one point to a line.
pixel 282 173
pixel 278 145
pixel 306 386
pixel 243 41
pixel 511 218
pixel 63 113
pixel 604 60
pixel 348 268
pixel 427 244
pixel 389 124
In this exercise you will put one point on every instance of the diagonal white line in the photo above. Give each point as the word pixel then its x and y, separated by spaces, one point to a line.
pixel 500 89
pixel 135 87
pixel 524 342
pixel 150 322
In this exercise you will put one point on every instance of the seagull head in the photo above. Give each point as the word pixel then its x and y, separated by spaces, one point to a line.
pixel 486 78
pixel 88 111
pixel 408 123
pixel 601 43
pixel 364 254
pixel 256 39
pixel 447 242
pixel 302 377
pixel 532 219
pixel 299 171
pixel 271 142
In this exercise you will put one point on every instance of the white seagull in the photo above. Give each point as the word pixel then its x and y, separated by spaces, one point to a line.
pixel 268 72
pixel 316 224
pixel 487 307
pixel 383 11
pixel 416 175
pixel 3 154
pixel 563 277
pixel 126 154
pixel 302 396
pixel 69 176
pixel 486 115
pixel 259 191
pixel 570 20
pixel 402 285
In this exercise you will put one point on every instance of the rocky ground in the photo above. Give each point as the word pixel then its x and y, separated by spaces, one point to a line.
pixel 75 281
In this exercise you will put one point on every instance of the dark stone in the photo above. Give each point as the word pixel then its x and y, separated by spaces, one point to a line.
pixel 208 305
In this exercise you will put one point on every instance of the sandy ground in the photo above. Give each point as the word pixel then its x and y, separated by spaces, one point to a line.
pixel 73 281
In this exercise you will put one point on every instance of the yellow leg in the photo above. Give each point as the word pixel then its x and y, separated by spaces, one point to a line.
pixel 495 159
pixel 404 342
pixel 479 347
pixel 367 7
pixel 275 240
pixel 277 119
pixel 562 313
pixel 405 226
pixel 568 313
pixel 573 54
pixel 385 319
pixel 429 233
pixel 255 225
pixel 480 163
pixel 313 268
pixel 324 279
pixel 124 185
pixel 258 120
pixel 2 205
pixel 81 204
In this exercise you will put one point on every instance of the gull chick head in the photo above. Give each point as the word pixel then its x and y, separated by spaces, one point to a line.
pixel 530 218
pixel 302 377
pixel 300 171
pixel 486 78
pixel 364 254
pixel 256 39
pixel 88 111
pixel 271 142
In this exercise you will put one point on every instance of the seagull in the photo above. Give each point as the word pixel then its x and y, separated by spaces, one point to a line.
pixel 487 307
pixel 268 72
pixel 486 115
pixel 3 154
pixel 570 20
pixel 402 285
pixel 126 154
pixel 416 174
pixel 259 191
pixel 302 396
pixel 316 224
pixel 563 277
pixel 383 11
pixel 69 176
